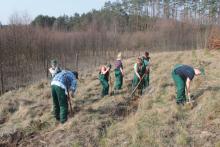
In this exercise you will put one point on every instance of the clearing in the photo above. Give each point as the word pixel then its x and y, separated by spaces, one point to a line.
pixel 151 120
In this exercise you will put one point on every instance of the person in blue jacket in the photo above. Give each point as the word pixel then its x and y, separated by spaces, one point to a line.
pixel 62 83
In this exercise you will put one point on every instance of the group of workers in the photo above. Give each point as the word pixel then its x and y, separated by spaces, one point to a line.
pixel 64 82
pixel 140 80
pixel 104 76
pixel 141 73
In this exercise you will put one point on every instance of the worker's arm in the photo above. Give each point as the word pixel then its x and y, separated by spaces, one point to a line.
pixel 122 72
pixel 105 71
pixel 188 86
pixel 52 71
pixel 71 93
pixel 148 68
pixel 135 70
pixel 73 88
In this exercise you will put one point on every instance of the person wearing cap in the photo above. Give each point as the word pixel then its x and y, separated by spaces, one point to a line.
pixel 139 72
pixel 119 73
pixel 182 76
pixel 62 83
pixel 146 60
pixel 54 68
pixel 104 78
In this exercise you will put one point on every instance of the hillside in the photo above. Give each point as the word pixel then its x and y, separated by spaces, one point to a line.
pixel 151 120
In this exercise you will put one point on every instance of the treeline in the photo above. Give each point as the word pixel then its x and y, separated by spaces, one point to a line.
pixel 135 15
pixel 26 52
pixel 85 41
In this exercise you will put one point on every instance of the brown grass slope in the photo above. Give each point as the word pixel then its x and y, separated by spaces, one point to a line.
pixel 152 120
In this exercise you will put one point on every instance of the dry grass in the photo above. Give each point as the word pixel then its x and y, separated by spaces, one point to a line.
pixel 159 122
pixel 153 120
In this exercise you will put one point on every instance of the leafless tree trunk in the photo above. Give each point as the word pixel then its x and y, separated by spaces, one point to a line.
pixel 2 78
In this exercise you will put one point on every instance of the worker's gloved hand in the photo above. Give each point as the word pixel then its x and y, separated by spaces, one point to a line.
pixel 71 94
pixel 191 98
pixel 109 65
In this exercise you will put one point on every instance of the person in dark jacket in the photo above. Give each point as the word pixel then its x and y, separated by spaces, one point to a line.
pixel 182 76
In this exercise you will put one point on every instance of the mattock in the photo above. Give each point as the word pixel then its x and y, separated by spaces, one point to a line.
pixel 137 85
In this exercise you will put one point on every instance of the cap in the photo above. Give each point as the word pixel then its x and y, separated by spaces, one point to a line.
pixel 109 65
pixel 202 70
pixel 54 62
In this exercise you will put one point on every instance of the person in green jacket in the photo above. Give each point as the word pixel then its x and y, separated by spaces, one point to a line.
pixel 146 60
pixel 104 78
pixel 119 73
pixel 139 72
pixel 182 76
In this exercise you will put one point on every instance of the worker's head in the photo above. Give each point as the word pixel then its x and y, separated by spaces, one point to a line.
pixel 76 74
pixel 102 68
pixel 199 71
pixel 54 63
pixel 119 56
pixel 139 61
pixel 146 54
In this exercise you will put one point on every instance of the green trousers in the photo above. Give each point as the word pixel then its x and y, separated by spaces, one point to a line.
pixel 180 84
pixel 118 79
pixel 105 85
pixel 135 83
pixel 60 103
pixel 146 81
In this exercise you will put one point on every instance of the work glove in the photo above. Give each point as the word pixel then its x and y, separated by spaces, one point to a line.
pixel 191 98
pixel 140 78
pixel 109 65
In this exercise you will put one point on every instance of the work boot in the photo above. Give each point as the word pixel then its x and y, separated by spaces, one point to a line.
pixel 144 90
pixel 61 127
pixel 101 95
pixel 116 91
pixel 139 92
pixel 182 102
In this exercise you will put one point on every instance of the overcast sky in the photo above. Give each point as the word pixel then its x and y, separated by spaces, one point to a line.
pixel 46 7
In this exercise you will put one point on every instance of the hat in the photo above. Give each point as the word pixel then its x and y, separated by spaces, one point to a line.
pixel 202 70
pixel 53 62
pixel 119 56
pixel 76 74
pixel 140 58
